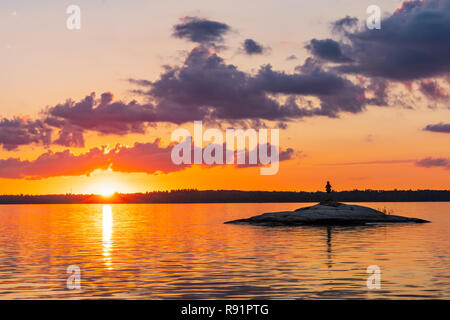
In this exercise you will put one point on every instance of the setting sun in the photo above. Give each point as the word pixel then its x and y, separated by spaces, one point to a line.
pixel 107 191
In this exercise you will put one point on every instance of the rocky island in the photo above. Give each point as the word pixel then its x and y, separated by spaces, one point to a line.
pixel 327 213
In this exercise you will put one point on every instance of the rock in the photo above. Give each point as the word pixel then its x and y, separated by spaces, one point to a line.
pixel 327 213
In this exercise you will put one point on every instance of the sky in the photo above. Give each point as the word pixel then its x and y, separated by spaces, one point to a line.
pixel 93 109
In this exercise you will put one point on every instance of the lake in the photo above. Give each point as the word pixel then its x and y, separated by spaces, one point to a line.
pixel 184 251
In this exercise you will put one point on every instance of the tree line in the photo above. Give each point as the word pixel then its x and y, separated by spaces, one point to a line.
pixel 232 196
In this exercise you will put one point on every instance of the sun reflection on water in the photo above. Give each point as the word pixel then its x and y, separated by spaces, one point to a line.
pixel 107 226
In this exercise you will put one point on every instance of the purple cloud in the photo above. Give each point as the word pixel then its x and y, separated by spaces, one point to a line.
pixel 251 47
pixel 19 131
pixel 200 30
pixel 207 88
pixel 328 50
pixel 432 90
pixel 439 127
pixel 54 164
pixel 342 25
pixel 104 115
pixel 150 158
pixel 412 44
pixel 434 162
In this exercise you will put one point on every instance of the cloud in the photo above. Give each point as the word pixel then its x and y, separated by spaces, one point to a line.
pixel 327 49
pixel 378 91
pixel 291 57
pixel 70 137
pixel 54 164
pixel 434 162
pixel 342 25
pixel 287 154
pixel 432 90
pixel 428 162
pixel 200 30
pixel 336 94
pixel 251 47
pixel 283 155
pixel 104 115
pixel 21 131
pixel 375 162
pixel 412 44
pixel 439 127
pixel 150 158
pixel 205 87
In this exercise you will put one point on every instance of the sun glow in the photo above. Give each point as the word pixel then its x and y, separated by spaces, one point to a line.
pixel 107 191
pixel 107 183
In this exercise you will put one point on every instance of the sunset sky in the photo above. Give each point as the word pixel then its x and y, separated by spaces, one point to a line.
pixel 89 110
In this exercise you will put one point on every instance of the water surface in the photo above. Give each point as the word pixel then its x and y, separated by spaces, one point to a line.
pixel 184 251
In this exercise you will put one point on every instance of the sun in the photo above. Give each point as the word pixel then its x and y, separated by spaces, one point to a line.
pixel 107 191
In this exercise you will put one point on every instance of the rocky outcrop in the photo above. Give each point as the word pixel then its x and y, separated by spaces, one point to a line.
pixel 327 213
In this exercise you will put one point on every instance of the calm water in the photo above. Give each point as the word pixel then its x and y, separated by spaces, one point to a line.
pixel 184 251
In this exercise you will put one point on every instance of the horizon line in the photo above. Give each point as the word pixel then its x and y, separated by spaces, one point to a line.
pixel 219 190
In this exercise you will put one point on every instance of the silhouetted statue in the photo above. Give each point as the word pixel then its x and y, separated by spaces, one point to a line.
pixel 328 187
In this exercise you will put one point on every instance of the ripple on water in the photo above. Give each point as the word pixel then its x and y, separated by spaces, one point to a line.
pixel 186 252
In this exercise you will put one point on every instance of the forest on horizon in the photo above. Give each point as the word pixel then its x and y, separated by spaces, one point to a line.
pixel 233 196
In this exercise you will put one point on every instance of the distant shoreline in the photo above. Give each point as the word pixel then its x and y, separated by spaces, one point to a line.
pixel 232 196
